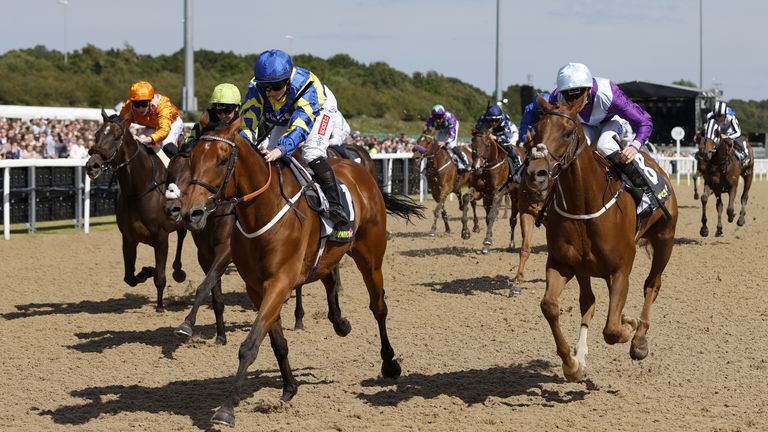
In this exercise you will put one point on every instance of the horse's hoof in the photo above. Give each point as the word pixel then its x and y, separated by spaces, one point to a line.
pixel 486 250
pixel 160 309
pixel 719 232
pixel 695 196
pixel 465 235
pixel 390 369
pixel 221 340
pixel 289 392
pixel 145 273
pixel 131 281
pixel 184 330
pixel 299 326
pixel 431 233
pixel 704 232
pixel 741 221
pixel 343 327
pixel 515 291
pixel 574 375
pixel 224 416
pixel 639 351
pixel 476 229
pixel 179 275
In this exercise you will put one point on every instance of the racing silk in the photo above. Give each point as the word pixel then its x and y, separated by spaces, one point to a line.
pixel 607 100
pixel 298 114
pixel 447 124
pixel 531 113
pixel 728 127
pixel 160 116
pixel 505 131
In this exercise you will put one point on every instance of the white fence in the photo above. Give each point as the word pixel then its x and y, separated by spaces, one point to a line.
pixel 678 169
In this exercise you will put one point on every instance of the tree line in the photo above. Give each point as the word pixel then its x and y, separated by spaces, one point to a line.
pixel 374 97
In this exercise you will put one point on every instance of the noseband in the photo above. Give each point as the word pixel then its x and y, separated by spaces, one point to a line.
pixel 564 162
pixel 109 161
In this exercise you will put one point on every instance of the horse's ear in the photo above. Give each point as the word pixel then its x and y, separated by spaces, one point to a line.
pixel 544 104
pixel 204 120
pixel 576 106
pixel 104 115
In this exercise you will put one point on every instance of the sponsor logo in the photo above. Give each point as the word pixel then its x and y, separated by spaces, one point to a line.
pixel 323 124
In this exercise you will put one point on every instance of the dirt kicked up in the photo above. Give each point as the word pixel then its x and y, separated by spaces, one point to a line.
pixel 83 351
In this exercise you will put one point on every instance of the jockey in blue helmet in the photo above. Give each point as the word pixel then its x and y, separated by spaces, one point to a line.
pixel 503 130
pixel 294 105
pixel 530 115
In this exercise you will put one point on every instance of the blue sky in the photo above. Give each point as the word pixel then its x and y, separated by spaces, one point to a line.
pixel 624 40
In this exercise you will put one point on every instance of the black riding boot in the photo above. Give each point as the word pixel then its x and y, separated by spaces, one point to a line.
pixel 642 186
pixel 170 150
pixel 327 181
pixel 462 158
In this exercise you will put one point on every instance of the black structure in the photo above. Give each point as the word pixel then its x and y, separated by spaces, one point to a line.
pixel 670 106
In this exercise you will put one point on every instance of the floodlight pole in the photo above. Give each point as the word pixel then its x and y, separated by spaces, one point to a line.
pixel 498 51
pixel 188 100
pixel 701 44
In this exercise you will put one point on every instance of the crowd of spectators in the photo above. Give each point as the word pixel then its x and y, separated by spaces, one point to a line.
pixel 56 139
pixel 46 138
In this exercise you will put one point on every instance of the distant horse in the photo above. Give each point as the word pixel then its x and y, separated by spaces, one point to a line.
pixel 140 215
pixel 444 178
pixel 591 232
pixel 354 153
pixel 721 175
pixel 534 185
pixel 491 181
pixel 275 246
pixel 701 163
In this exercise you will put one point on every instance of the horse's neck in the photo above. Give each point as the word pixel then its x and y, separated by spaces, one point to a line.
pixel 135 175
pixel 252 174
pixel 583 185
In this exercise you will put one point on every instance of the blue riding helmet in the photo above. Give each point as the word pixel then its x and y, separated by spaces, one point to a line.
pixel 494 112
pixel 438 111
pixel 272 66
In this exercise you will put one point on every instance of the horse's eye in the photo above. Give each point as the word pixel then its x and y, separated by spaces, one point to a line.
pixel 223 161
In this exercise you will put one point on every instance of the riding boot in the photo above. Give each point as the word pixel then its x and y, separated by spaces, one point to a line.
pixel 327 181
pixel 644 190
pixel 462 158
pixel 170 150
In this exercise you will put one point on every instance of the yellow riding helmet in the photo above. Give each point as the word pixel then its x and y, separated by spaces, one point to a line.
pixel 226 93
pixel 142 90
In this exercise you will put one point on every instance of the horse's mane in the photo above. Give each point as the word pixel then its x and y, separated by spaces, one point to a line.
pixel 114 117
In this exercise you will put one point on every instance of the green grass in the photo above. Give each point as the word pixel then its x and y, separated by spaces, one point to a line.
pixel 100 223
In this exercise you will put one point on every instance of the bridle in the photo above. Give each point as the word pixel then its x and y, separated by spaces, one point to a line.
pixel 216 199
pixel 108 163
pixel 487 161
pixel 564 162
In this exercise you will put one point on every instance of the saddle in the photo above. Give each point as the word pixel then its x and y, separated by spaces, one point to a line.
pixel 317 202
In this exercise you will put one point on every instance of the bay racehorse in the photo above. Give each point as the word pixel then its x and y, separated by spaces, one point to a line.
pixel 140 204
pixel 275 245
pixel 354 153
pixel 591 232
pixel 444 178
pixel 701 163
pixel 721 175
pixel 490 181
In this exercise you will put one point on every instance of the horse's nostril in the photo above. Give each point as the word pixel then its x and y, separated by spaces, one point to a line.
pixel 196 214
pixel 541 173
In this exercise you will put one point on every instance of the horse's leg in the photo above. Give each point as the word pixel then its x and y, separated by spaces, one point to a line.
pixel 513 210
pixel 719 206
pixel 438 209
pixel 476 222
pixel 269 300
pixel 298 312
pixel 444 215
pixel 161 259
pixel 280 348
pixel 507 203
pixel 704 231
pixel 662 249
pixel 491 211
pixel 465 199
pixel 557 277
pixel 368 258
pixel 526 226
pixel 178 274
pixel 222 256
pixel 129 262
pixel 695 185
pixel 587 307
pixel 731 212
pixel 744 198
pixel 617 328
pixel 341 325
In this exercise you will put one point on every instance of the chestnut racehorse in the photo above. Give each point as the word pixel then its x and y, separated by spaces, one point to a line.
pixel 490 181
pixel 591 232
pixel 140 204
pixel 444 178
pixel 275 245
pixel 721 175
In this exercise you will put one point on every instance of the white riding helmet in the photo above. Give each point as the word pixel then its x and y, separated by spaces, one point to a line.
pixel 573 75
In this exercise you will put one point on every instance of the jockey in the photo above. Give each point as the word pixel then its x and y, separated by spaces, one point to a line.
pixel 447 133
pixel 223 109
pixel 604 108
pixel 299 111
pixel 156 112
pixel 340 130
pixel 723 121
pixel 531 113
pixel 503 129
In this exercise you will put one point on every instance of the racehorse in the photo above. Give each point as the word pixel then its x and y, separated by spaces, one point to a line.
pixel 534 185
pixel 275 246
pixel 444 178
pixel 354 153
pixel 139 213
pixel 721 174
pixel 491 181
pixel 591 232
pixel 701 163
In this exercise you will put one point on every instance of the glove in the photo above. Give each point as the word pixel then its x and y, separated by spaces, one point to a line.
pixel 144 139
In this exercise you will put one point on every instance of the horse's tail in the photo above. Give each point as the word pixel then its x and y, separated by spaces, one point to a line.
pixel 402 206
pixel 647 246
